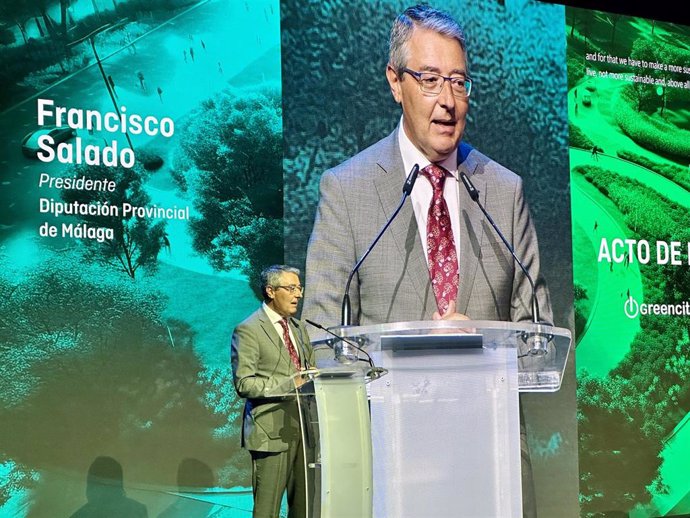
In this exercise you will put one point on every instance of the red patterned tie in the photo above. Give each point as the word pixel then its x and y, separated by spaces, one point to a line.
pixel 288 343
pixel 443 257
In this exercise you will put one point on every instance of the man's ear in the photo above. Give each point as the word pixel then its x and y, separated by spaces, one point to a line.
pixel 394 82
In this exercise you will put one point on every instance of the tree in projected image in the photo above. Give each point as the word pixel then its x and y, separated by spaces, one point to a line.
pixel 234 143
pixel 137 241
pixel 642 400
pixel 88 363
pixel 615 468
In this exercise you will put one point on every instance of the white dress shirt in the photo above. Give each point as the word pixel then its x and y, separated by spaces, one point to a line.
pixel 422 192
pixel 275 320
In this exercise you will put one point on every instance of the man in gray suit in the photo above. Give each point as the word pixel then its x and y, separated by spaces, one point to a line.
pixel 440 258
pixel 268 348
pixel 428 76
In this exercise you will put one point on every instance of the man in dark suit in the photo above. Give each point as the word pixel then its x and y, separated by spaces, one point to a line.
pixel 268 348
pixel 440 258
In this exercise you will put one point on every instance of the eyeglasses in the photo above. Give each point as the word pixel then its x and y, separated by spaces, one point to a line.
pixel 431 83
pixel 292 289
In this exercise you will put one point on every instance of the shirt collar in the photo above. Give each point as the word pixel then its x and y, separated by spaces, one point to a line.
pixel 272 315
pixel 411 155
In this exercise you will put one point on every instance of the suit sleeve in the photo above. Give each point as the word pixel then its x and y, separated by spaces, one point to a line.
pixel 527 249
pixel 251 377
pixel 330 257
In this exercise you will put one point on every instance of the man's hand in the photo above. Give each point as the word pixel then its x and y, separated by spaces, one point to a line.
pixel 450 314
pixel 300 380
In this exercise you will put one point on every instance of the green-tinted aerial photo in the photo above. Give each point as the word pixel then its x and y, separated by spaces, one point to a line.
pixel 629 113
pixel 115 391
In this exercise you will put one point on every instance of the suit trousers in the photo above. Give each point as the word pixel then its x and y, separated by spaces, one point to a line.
pixel 274 473
pixel 529 497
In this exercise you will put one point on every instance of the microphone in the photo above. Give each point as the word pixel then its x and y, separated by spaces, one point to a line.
pixel 409 183
pixel 538 341
pixel 346 310
pixel 374 373
pixel 471 190
pixel 342 339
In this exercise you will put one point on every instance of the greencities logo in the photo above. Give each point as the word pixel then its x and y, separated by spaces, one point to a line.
pixel 633 309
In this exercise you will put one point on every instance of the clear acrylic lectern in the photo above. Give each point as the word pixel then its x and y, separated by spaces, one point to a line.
pixel 439 435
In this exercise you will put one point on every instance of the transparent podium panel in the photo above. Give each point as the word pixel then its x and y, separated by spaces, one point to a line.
pixel 445 419
pixel 336 427
pixel 542 350
pixel 446 434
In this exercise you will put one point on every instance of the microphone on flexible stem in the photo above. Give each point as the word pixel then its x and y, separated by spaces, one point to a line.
pixel 375 371
pixel 342 338
pixel 537 341
pixel 346 312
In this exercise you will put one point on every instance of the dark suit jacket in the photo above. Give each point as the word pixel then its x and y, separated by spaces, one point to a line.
pixel 260 364
pixel 356 199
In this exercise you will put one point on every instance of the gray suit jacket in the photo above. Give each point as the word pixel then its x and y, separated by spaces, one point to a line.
pixel 358 196
pixel 260 363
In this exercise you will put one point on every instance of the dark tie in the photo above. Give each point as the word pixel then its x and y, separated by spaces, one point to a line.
pixel 289 345
pixel 443 257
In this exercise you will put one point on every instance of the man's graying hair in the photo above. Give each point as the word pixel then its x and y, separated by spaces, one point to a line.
pixel 271 276
pixel 423 17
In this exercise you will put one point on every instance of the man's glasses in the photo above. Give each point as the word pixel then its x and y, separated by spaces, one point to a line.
pixel 431 83
pixel 292 289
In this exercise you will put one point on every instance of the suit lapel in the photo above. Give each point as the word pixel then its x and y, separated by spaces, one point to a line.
pixel 298 332
pixel 272 335
pixel 404 230
pixel 471 228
